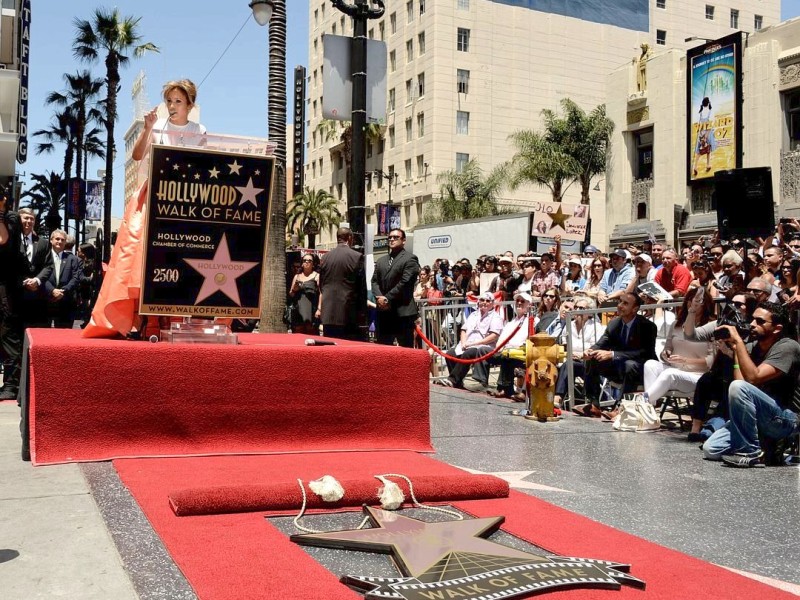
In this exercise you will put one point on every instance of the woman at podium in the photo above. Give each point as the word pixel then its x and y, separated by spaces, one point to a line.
pixel 115 311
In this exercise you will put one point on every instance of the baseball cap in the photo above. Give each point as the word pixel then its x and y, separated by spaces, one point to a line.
pixel 644 257
pixel 575 261
pixel 525 296
pixel 620 252
pixel 591 248
pixel 486 296
pixel 505 259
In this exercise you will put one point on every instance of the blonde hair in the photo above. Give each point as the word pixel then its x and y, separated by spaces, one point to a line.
pixel 186 86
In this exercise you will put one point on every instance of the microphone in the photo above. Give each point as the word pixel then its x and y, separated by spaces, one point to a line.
pixel 310 342
pixel 153 339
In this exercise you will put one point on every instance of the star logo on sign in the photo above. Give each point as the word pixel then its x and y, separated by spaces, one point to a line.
pixel 212 173
pixel 220 273
pixel 249 193
pixel 559 218
pixel 175 167
pixel 197 176
pixel 234 167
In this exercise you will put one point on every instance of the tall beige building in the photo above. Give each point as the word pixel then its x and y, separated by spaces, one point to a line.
pixel 466 74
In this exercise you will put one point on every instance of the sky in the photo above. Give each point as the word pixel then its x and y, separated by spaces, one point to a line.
pixel 192 36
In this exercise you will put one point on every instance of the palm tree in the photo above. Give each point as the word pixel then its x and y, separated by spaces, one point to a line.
pixel 114 36
pixel 60 131
pixel 78 99
pixel 465 195
pixel 46 198
pixel 573 147
pixel 312 211
pixel 93 146
pixel 273 296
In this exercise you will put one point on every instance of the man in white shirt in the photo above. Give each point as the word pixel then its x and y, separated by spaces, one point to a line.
pixel 518 326
pixel 479 335
pixel 62 285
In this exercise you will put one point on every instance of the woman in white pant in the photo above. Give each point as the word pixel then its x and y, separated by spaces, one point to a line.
pixel 682 361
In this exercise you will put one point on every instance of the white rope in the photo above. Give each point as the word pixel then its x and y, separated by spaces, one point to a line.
pixel 328 494
pixel 416 502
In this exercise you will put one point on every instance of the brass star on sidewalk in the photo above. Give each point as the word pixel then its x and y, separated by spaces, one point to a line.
pixel 559 218
pixel 416 545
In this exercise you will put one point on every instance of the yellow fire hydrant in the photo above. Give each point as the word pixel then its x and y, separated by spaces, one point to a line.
pixel 542 356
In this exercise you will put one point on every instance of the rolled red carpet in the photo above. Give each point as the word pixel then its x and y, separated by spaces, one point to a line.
pixel 280 497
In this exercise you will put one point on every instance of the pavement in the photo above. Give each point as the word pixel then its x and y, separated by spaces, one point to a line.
pixel 73 531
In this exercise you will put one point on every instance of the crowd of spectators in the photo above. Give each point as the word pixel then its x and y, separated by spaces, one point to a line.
pixel 742 293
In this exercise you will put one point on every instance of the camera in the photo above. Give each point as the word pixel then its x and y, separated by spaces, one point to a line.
pixel 731 316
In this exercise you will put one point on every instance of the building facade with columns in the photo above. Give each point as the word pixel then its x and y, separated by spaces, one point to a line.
pixel 651 189
pixel 463 75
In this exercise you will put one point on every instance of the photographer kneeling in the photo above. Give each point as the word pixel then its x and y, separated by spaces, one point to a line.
pixel 764 399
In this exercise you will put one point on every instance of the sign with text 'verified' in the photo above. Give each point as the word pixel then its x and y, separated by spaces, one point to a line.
pixel 206 232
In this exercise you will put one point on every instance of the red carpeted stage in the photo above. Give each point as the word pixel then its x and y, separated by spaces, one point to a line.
pixel 89 399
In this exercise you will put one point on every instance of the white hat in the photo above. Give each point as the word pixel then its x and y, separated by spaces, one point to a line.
pixel 644 257
pixel 486 296
pixel 525 296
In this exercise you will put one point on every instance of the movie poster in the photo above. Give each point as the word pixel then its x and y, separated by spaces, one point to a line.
pixel 388 218
pixel 714 107
pixel 206 233
pixel 94 200
pixel 558 218
pixel 76 200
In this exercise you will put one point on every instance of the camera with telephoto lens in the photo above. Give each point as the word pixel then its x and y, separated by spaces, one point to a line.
pixel 734 318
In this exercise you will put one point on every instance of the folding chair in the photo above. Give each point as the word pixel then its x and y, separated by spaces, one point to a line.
pixel 678 403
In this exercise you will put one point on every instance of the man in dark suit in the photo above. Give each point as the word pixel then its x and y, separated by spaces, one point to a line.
pixel 393 285
pixel 39 266
pixel 62 286
pixel 342 289
pixel 15 281
pixel 620 353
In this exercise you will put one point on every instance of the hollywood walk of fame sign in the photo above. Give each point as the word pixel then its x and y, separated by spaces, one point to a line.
pixel 453 560
pixel 205 236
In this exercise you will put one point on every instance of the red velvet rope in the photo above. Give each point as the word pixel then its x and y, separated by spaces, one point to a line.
pixel 468 361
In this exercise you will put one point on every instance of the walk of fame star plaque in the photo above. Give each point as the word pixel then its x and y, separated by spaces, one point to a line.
pixel 452 559
pixel 205 234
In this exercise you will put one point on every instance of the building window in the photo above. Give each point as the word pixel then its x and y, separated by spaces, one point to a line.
pixel 463 5
pixel 420 124
pixel 391 136
pixel 393 23
pixel 333 29
pixel 381 145
pixel 661 37
pixel 462 44
pixel 661 3
pixel 644 154
pixel 407 165
pixel 641 210
pixel 392 61
pixel 409 50
pixel 792 104
pixel 409 134
pixel 371 33
pixel 709 12
pixel 316 17
pixel 339 187
pixel 462 81
pixel 421 43
pixel 758 22
pixel 420 85
pixel 369 149
pixel 421 165
pixel 392 178
pixel 340 161
pixel 461 161
pixel 382 31
pixel 392 98
pixel 734 19
pixel 409 11
pixel 422 7
pixel 462 122
pixel 409 91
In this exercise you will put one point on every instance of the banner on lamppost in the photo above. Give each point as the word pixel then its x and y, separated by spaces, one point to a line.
pixel 713 107
pixel 337 81
pixel 205 239
pixel 76 199
pixel 94 200
pixel 388 218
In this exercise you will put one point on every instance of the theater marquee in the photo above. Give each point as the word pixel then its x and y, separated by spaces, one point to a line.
pixel 206 232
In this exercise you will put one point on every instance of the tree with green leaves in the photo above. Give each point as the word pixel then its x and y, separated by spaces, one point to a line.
pixel 312 211
pixel 572 147
pixel 467 194
pixel 60 131
pixel 330 130
pixel 112 37
pixel 46 197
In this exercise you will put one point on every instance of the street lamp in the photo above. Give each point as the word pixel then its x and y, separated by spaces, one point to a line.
pixel 391 176
pixel 273 298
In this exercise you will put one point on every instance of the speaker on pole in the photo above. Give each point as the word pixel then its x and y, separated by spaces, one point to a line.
pixel 743 201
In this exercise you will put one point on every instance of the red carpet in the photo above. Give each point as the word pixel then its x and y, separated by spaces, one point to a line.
pixel 285 497
pixel 243 556
pixel 100 399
